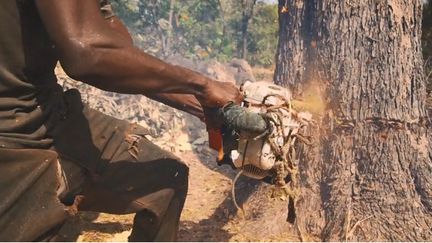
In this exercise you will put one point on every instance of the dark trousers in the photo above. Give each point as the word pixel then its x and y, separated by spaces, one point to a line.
pixel 97 163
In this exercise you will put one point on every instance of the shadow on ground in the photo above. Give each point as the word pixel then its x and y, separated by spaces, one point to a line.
pixel 264 219
pixel 214 227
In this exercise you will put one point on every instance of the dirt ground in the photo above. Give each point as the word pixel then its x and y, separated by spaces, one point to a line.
pixel 209 213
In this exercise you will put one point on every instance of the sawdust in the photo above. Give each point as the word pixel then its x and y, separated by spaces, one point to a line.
pixel 398 10
pixel 311 99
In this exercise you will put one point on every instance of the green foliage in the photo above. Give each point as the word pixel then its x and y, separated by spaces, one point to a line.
pixel 263 35
pixel 200 29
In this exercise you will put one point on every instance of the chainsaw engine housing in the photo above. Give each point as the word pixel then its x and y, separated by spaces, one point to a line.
pixel 255 156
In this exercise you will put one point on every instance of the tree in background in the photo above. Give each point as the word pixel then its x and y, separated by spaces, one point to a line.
pixel 263 35
pixel 221 29
pixel 262 30
pixel 369 175
pixel 200 32
pixel 149 22
pixel 247 7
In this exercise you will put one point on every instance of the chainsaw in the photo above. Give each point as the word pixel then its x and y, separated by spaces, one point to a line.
pixel 259 137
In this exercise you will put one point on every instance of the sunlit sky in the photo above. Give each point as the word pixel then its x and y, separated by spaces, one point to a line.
pixel 270 1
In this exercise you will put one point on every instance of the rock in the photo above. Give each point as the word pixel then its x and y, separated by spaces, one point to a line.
pixel 220 72
pixel 237 71
pixel 182 143
pixel 200 141
pixel 185 147
pixel 243 71
pixel 182 61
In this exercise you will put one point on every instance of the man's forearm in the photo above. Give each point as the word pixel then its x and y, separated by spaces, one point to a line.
pixel 104 65
pixel 184 102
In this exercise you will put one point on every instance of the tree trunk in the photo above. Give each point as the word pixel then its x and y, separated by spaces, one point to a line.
pixel 222 16
pixel 247 13
pixel 170 31
pixel 369 174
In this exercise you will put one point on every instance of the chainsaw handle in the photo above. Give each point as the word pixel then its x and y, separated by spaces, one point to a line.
pixel 242 121
pixel 235 120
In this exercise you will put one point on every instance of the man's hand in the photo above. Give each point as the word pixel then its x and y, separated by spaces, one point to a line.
pixel 218 94
pixel 215 96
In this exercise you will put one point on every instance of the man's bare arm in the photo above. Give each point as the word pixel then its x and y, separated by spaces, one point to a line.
pixel 117 26
pixel 184 102
pixel 91 51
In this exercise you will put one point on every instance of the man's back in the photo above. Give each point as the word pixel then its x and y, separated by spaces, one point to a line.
pixel 27 80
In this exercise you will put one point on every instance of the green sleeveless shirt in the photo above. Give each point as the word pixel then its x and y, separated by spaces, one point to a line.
pixel 30 98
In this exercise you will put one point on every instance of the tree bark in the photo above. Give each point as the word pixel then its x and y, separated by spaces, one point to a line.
pixel 369 174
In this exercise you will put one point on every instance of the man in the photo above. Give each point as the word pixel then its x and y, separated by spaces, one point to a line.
pixel 56 154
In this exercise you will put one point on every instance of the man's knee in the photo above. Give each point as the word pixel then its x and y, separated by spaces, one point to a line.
pixel 182 176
